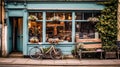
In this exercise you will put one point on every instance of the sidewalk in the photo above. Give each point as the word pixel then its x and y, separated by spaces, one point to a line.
pixel 64 62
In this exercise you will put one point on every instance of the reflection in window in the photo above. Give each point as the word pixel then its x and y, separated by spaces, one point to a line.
pixel 79 16
pixel 87 15
pixel 59 29
pixel 35 31
pixel 85 30
pixel 59 15
pixel 37 14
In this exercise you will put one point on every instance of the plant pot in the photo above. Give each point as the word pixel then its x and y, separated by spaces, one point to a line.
pixel 111 54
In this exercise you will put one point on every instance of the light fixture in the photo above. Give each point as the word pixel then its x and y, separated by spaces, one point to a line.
pixel 69 17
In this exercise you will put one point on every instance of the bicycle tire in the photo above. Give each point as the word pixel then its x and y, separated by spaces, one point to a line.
pixel 58 54
pixel 35 53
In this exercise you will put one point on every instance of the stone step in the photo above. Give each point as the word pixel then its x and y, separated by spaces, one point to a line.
pixel 16 55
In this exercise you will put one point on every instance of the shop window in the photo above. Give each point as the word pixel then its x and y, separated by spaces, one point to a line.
pixel 59 15
pixel 79 16
pixel 59 25
pixel 85 30
pixel 38 15
pixel 60 30
pixel 87 15
pixel 35 31
pixel 96 15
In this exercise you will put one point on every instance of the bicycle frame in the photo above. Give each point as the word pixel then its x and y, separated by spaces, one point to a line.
pixel 52 52
pixel 51 48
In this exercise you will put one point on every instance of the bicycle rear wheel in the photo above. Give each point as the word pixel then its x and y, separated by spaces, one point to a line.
pixel 56 55
pixel 35 53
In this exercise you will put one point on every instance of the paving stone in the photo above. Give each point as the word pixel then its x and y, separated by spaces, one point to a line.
pixel 31 61
pixel 20 61
pixel 73 61
pixel 60 62
pixel 47 62
pixel 7 60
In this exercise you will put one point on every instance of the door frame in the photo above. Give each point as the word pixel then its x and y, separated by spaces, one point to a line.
pixel 14 45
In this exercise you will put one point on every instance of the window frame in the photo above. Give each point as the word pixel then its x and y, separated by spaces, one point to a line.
pixel 73 20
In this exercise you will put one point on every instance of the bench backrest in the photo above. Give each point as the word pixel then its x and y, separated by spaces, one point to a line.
pixel 90 46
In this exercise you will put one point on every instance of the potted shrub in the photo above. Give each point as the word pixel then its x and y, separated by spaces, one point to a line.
pixel 110 51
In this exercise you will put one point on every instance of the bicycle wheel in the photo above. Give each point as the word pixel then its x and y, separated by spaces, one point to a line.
pixel 35 53
pixel 56 55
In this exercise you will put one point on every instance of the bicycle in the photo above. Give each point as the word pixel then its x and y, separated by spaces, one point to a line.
pixel 38 52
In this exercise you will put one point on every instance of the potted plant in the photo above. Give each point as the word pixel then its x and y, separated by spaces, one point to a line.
pixel 32 18
pixel 34 40
pixel 110 51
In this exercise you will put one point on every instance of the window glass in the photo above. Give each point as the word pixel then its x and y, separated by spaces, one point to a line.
pixel 38 15
pixel 59 26
pixel 35 31
pixel 60 30
pixel 59 15
pixel 96 15
pixel 87 15
pixel 86 30
pixel 78 15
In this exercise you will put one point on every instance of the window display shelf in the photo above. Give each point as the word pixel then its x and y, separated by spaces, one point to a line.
pixel 59 20
pixel 81 20
pixel 39 20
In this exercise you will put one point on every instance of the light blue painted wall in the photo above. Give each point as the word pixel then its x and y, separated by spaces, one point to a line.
pixel 15 10
pixel 69 5
pixel 16 13
pixel 25 32
pixel 9 33
pixel 65 48
pixel 57 5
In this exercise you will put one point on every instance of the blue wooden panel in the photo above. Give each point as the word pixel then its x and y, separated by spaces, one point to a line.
pixel 65 48
pixel 25 33
pixel 15 5
pixel 16 13
pixel 9 33
pixel 57 5
pixel 62 5
pixel 73 27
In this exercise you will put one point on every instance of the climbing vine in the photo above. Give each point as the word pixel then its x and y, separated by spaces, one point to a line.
pixel 107 25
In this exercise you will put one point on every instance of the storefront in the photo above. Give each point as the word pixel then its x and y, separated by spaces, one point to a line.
pixel 32 22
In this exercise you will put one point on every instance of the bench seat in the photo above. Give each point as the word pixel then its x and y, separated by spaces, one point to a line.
pixel 91 48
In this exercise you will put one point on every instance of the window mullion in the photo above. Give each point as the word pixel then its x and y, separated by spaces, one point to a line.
pixel 73 26
pixel 44 27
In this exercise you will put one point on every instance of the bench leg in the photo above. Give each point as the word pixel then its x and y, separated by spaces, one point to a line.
pixel 80 54
pixel 118 54
pixel 101 56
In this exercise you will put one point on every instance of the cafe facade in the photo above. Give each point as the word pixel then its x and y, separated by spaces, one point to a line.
pixel 33 22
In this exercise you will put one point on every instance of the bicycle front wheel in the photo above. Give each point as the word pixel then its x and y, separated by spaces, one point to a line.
pixel 35 53
pixel 57 54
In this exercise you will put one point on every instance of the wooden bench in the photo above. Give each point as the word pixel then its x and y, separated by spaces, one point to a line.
pixel 94 43
pixel 91 48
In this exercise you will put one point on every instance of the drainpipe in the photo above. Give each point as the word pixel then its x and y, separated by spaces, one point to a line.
pixel 1 28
